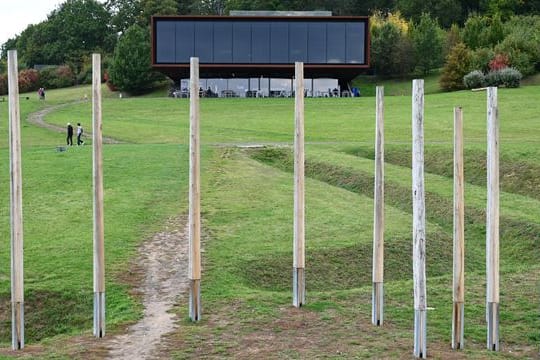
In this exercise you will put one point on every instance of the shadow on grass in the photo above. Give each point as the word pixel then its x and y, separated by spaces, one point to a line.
pixel 516 176
pixel 519 239
pixel 47 314
pixel 347 267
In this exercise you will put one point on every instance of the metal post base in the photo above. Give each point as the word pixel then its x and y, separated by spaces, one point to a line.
pixel 493 326
pixel 420 334
pixel 195 300
pixel 17 325
pixel 299 287
pixel 99 314
pixel 457 326
pixel 377 301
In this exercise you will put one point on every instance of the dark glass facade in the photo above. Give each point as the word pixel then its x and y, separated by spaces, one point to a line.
pixel 262 41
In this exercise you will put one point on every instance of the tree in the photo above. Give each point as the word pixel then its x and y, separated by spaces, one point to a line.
pixel 446 11
pixel 384 49
pixel 156 7
pixel 75 29
pixel 456 67
pixel 131 70
pixel 124 13
pixel 391 47
pixel 427 43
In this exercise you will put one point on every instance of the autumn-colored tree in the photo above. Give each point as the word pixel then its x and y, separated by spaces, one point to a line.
pixel 456 67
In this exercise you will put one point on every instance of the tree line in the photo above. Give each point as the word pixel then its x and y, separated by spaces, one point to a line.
pixel 408 37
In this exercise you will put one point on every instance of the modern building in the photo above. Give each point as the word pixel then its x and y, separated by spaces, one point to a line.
pixel 253 53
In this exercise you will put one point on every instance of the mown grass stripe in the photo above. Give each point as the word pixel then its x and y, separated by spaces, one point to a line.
pixel 519 239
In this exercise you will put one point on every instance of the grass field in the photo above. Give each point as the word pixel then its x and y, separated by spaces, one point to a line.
pixel 247 211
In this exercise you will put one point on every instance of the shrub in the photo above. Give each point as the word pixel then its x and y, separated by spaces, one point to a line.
pixel 510 77
pixel 64 76
pixel 480 59
pixel 475 32
pixel 522 44
pixel 456 67
pixel 3 84
pixel 499 62
pixel 474 79
pixel 493 78
pixel 57 77
pixel 28 80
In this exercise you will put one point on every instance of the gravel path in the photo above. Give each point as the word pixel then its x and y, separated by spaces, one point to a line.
pixel 164 261
pixel 38 118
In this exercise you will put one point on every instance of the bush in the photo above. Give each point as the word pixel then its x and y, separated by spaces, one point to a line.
pixel 456 67
pixel 522 44
pixel 499 62
pixel 493 78
pixel 28 80
pixel 510 77
pixel 480 59
pixel 474 79
pixel 64 76
pixel 57 77
pixel 3 84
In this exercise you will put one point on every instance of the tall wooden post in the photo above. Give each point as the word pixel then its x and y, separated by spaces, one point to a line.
pixel 17 268
pixel 459 234
pixel 194 195
pixel 492 217
pixel 378 222
pixel 299 285
pixel 97 174
pixel 419 221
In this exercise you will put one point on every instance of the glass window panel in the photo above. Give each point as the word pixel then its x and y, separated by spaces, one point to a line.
pixel 241 42
pixel 204 41
pixel 260 42
pixel 317 43
pixel 355 43
pixel 335 43
pixel 184 41
pixel 298 40
pixel 223 42
pixel 165 52
pixel 279 43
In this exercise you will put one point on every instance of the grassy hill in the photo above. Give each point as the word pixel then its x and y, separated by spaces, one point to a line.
pixel 247 211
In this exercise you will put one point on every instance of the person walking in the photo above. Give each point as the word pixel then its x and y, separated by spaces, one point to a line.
pixel 69 134
pixel 79 134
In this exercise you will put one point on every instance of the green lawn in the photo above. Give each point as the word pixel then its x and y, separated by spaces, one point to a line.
pixel 247 211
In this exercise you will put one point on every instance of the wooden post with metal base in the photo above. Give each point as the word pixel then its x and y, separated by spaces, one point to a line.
pixel 299 285
pixel 194 195
pixel 419 221
pixel 16 213
pixel 492 225
pixel 97 170
pixel 378 221
pixel 459 234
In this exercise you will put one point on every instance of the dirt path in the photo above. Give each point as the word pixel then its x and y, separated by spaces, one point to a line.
pixel 163 259
pixel 38 118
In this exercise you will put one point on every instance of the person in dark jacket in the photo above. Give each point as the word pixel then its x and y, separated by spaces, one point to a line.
pixel 69 134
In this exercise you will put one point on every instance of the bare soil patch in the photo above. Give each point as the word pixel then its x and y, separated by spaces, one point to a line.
pixel 164 262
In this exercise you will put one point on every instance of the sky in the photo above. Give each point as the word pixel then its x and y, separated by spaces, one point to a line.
pixel 16 15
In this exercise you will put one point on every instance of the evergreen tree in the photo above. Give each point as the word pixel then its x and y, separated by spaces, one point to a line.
pixel 427 43
pixel 131 70
pixel 456 67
